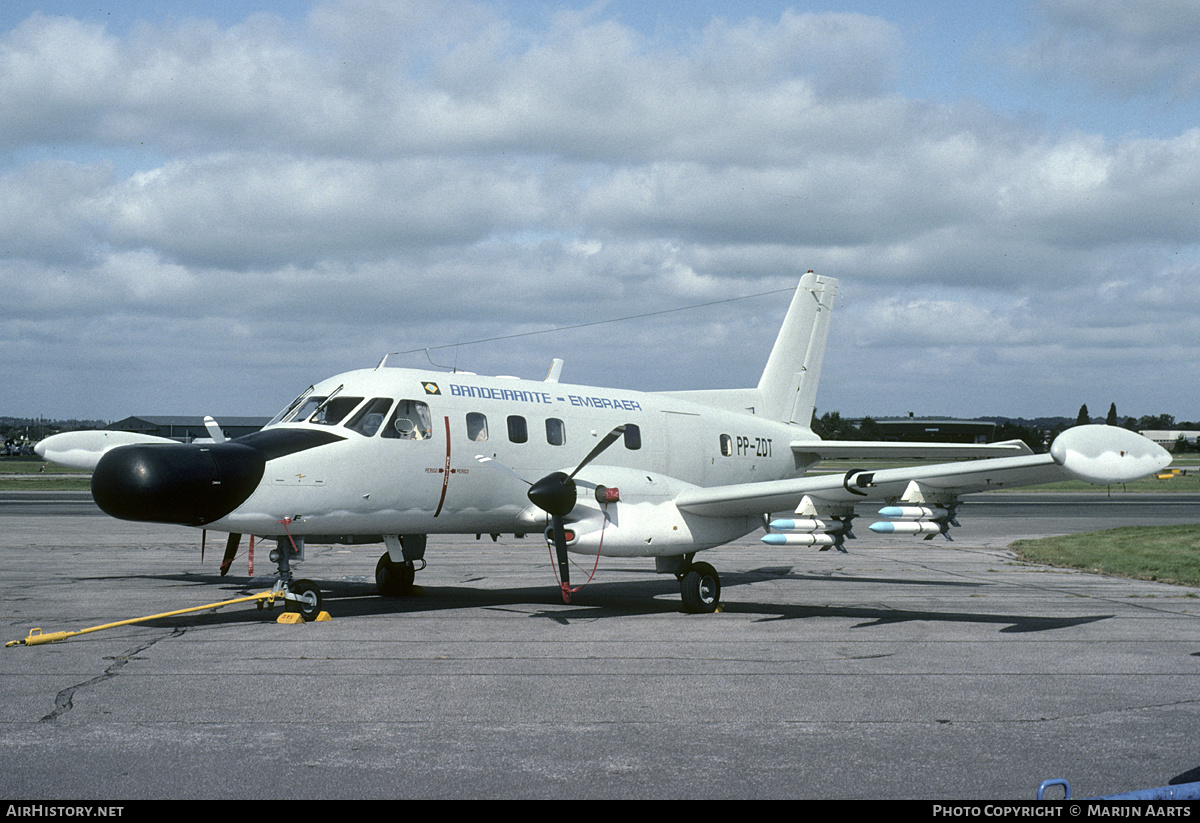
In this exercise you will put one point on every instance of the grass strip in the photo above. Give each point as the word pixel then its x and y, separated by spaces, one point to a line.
pixel 23 474
pixel 1167 554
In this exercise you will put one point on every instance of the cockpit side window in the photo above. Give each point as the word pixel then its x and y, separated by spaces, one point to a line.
pixel 410 421
pixel 477 429
pixel 332 412
pixel 370 417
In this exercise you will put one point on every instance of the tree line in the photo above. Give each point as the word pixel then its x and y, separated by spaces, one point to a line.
pixel 1037 434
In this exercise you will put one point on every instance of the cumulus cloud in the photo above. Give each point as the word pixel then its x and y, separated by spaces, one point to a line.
pixel 1119 49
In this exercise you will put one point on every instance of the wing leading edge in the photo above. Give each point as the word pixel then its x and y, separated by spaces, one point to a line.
pixel 1094 454
pixel 887 450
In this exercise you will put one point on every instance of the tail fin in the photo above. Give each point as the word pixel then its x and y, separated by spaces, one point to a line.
pixel 788 385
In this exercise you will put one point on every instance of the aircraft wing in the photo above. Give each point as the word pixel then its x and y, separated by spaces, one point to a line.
pixel 83 449
pixel 888 450
pixel 1095 454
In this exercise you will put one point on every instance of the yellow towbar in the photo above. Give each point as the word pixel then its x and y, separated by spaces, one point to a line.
pixel 37 636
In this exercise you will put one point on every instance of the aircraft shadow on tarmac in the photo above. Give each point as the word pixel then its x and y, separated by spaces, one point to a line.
pixel 608 599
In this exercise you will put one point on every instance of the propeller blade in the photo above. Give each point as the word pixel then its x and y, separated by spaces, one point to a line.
pixel 214 431
pixel 496 464
pixel 231 547
pixel 608 440
pixel 555 493
pixel 560 551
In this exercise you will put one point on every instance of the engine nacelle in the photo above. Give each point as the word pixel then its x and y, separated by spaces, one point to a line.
pixel 644 520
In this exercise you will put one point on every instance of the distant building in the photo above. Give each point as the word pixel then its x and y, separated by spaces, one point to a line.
pixel 185 429
pixel 941 430
pixel 1168 439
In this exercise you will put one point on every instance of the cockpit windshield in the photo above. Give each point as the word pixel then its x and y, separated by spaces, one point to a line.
pixel 289 412
pixel 310 405
pixel 334 410
pixel 409 419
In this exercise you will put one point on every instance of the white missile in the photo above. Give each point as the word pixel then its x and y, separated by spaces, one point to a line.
pixel 914 512
pixel 808 525
pixel 794 539
pixel 906 527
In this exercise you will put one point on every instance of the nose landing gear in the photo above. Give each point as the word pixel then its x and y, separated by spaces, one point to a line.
pixel 302 596
pixel 305 597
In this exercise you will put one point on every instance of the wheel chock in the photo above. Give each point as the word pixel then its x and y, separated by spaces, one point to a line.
pixel 296 617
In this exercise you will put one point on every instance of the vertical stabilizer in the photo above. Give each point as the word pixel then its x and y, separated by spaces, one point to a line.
pixel 789 382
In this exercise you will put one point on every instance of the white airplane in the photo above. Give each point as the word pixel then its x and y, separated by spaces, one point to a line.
pixel 393 455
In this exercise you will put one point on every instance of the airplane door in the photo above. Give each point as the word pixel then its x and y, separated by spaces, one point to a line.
pixel 422 442
pixel 685 452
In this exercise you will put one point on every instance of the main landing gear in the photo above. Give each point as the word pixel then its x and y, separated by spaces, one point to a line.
pixel 700 587
pixel 394 579
pixel 397 568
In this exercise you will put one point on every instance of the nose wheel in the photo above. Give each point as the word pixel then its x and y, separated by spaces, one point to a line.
pixel 305 597
pixel 301 596
pixel 700 587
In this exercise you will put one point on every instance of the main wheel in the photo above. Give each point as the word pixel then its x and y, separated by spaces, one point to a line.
pixel 308 601
pixel 700 588
pixel 394 579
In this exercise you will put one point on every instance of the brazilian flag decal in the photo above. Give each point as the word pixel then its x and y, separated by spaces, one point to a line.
pixel 432 388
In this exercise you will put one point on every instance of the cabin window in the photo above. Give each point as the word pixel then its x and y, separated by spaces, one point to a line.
pixel 518 431
pixel 633 437
pixel 335 410
pixel 727 445
pixel 556 432
pixel 370 417
pixel 410 421
pixel 477 427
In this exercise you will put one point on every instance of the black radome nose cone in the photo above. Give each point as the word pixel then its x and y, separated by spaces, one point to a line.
pixel 176 483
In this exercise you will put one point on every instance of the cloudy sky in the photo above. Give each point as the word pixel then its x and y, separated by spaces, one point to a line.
pixel 206 206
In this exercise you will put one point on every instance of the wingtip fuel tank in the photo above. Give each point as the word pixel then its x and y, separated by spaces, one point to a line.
pixel 1107 454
